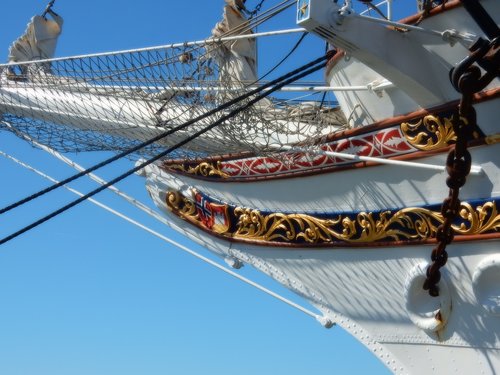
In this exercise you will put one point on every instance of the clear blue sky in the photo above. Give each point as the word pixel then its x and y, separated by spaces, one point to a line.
pixel 89 294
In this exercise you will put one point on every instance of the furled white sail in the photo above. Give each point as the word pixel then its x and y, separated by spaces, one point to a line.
pixel 39 40
pixel 113 101
pixel 237 59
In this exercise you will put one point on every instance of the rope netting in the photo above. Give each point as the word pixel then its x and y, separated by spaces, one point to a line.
pixel 113 101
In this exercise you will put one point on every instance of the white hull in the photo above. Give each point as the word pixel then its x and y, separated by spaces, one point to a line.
pixel 373 290
pixel 363 291
pixel 375 293
pixel 354 239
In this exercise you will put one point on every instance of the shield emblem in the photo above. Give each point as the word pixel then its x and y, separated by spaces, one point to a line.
pixel 213 216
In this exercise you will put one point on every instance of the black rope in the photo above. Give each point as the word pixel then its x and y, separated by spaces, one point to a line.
pixel 294 48
pixel 256 9
pixel 155 139
pixel 286 79
pixel 48 8
pixel 323 97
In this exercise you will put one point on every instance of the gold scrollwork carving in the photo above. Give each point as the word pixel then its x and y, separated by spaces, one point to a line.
pixel 483 219
pixel 405 224
pixel 204 169
pixel 182 206
pixel 410 224
pixel 208 169
pixel 251 224
pixel 430 133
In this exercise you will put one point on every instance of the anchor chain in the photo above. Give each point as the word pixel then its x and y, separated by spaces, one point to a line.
pixel 468 79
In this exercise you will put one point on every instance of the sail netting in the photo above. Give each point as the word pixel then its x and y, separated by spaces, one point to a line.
pixel 114 101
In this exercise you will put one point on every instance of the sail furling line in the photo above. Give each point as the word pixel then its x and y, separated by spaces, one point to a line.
pixel 263 91
pixel 37 43
pixel 291 77
pixel 48 8
pixel 114 101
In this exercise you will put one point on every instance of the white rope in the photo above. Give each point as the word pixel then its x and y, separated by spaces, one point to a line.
pixel 141 206
pixel 447 35
pixel 369 87
pixel 475 169
pixel 325 321
pixel 167 46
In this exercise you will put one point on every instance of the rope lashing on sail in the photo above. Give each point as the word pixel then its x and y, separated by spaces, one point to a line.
pixel 468 79
pixel 279 63
pixel 304 71
pixel 256 10
pixel 250 24
pixel 116 100
pixel 38 42
pixel 325 321
pixel 256 18
pixel 48 8
pixel 273 85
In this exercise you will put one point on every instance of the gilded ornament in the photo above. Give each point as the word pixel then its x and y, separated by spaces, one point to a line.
pixel 408 224
pixel 492 139
pixel 482 219
pixel 205 169
pixel 208 169
pixel 182 206
pixel 430 133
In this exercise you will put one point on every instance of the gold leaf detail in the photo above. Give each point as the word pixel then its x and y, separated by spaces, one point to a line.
pixel 430 133
pixel 205 169
pixel 182 206
pixel 483 219
pixel 411 224
pixel 208 169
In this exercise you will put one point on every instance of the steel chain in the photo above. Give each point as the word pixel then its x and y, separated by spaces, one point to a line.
pixel 468 79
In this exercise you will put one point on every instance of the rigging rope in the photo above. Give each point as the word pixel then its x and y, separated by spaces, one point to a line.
pixel 141 206
pixel 284 80
pixel 113 101
pixel 262 17
pixel 326 322
pixel 294 48
pixel 48 8
pixel 374 7
pixel 176 129
pixel 256 9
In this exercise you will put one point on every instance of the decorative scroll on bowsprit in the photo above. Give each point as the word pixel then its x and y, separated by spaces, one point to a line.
pixel 389 227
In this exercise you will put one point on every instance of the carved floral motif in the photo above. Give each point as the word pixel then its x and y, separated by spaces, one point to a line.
pixel 382 143
pixel 407 224
pixel 430 132
pixel 427 133
pixel 205 169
